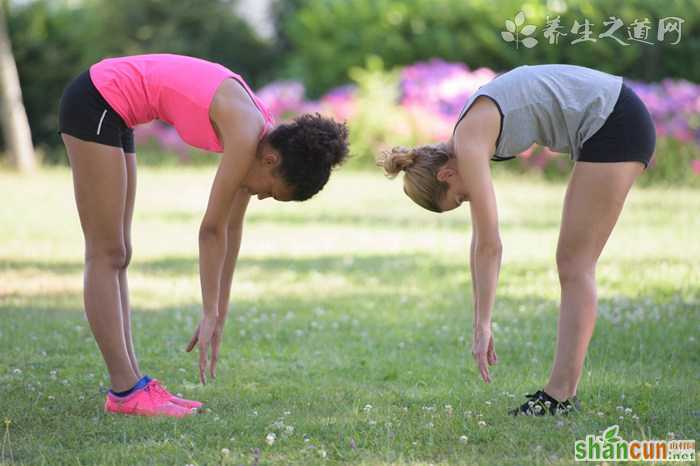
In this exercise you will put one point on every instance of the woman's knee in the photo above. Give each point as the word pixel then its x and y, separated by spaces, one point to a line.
pixel 574 266
pixel 127 258
pixel 115 256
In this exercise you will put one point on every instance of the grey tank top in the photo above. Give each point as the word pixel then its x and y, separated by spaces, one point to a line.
pixel 558 106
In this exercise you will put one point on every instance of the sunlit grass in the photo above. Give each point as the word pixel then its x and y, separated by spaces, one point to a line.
pixel 355 298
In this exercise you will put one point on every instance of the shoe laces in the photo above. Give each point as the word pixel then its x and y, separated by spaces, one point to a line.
pixel 159 390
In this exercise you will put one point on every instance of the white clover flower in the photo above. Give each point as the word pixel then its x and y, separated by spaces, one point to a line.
pixel 51 397
pixel 278 425
pixel 307 439
pixel 620 409
pixel 622 418
pixel 537 408
pixel 322 453
pixel 482 424
pixel 600 414
pixel 225 451
pixel 17 371
pixel 628 411
pixel 635 417
pixel 488 402
pixel 367 408
pixel 430 425
pixel 448 410
pixel 289 430
pixel 671 435
pixel 372 423
pixel 287 413
pixel 560 423
pixel 548 403
pixel 463 439
pixel 270 438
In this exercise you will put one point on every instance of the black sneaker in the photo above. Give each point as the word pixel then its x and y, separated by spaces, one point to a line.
pixel 541 404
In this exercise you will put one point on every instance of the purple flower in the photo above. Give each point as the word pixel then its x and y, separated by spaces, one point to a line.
pixel 695 166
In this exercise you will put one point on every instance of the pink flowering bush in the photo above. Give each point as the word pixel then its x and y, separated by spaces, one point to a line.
pixel 419 104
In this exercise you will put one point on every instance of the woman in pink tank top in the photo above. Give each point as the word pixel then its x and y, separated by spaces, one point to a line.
pixel 213 109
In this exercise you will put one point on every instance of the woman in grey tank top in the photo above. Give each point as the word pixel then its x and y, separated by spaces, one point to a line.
pixel 607 130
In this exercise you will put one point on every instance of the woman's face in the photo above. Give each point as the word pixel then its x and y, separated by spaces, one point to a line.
pixel 456 192
pixel 263 180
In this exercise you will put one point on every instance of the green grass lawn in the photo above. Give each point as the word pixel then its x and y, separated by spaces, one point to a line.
pixel 349 331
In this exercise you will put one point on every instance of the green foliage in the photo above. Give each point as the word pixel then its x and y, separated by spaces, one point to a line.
pixel 378 122
pixel 672 162
pixel 329 37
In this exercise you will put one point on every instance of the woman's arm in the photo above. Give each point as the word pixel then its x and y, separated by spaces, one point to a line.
pixel 233 245
pixel 239 124
pixel 474 142
pixel 485 265
pixel 472 251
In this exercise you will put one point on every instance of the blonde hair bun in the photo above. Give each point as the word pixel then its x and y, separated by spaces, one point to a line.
pixel 396 160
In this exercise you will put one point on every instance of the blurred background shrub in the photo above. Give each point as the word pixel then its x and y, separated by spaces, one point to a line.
pixel 397 71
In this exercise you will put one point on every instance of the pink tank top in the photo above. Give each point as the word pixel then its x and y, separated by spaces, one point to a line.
pixel 173 88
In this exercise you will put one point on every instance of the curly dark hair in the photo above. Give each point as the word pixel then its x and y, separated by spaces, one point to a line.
pixel 310 146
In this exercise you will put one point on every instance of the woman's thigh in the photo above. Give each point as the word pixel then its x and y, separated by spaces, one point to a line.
pixel 101 184
pixel 594 199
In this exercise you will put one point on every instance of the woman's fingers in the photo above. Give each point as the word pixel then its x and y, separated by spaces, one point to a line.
pixel 193 340
pixel 492 358
pixel 215 345
pixel 483 367
pixel 203 349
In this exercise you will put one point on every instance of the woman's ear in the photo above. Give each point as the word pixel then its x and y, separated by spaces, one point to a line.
pixel 445 173
pixel 271 159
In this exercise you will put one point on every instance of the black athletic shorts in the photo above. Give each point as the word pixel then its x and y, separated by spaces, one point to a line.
pixel 85 114
pixel 627 135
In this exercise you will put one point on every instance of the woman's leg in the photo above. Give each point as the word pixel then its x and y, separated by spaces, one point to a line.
pixel 100 182
pixel 130 159
pixel 593 203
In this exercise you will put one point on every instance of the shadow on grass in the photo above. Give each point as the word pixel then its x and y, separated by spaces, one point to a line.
pixel 364 220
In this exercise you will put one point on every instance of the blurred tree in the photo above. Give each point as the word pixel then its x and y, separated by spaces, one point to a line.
pixel 14 118
pixel 208 29
pixel 55 40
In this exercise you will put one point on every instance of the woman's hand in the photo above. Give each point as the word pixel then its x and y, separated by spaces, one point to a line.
pixel 483 350
pixel 208 333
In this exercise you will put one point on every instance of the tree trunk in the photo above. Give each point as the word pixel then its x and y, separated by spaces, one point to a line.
pixel 18 136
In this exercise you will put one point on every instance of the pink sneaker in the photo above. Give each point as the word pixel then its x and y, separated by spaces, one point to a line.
pixel 145 402
pixel 185 403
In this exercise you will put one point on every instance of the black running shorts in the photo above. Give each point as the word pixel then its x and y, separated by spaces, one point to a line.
pixel 627 135
pixel 85 114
